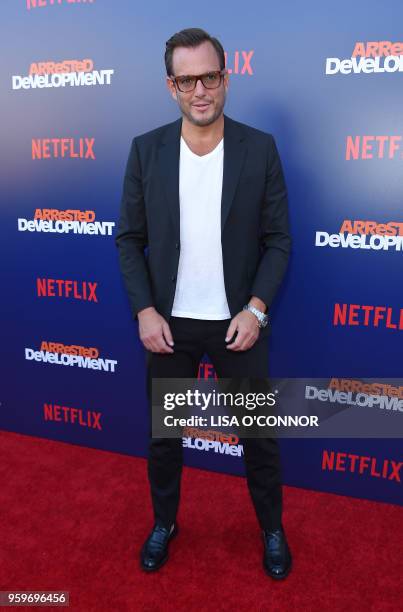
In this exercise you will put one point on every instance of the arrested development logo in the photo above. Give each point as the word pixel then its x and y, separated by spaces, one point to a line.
pixel 352 392
pixel 32 4
pixel 373 147
pixel 67 221
pixel 361 465
pixel 54 148
pixel 367 235
pixel 73 416
pixel 368 58
pixel 357 315
pixel 211 440
pixel 67 73
pixel 70 355
pixel 73 289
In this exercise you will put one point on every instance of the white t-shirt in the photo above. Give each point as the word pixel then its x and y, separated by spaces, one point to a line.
pixel 200 291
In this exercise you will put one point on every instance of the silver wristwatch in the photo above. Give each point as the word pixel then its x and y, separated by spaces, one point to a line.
pixel 261 317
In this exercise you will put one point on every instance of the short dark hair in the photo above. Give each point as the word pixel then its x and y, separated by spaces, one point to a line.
pixel 191 37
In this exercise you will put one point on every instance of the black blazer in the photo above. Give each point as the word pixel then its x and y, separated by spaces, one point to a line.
pixel 254 218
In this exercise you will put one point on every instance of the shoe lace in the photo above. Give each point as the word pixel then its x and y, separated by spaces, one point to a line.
pixel 273 539
pixel 158 538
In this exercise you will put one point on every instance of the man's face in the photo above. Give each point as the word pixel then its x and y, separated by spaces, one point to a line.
pixel 201 106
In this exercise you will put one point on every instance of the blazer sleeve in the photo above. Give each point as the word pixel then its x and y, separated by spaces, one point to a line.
pixel 131 237
pixel 275 240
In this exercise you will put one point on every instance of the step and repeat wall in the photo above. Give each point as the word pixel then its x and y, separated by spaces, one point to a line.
pixel 80 79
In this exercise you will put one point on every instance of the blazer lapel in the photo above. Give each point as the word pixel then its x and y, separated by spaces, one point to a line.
pixel 234 155
pixel 168 163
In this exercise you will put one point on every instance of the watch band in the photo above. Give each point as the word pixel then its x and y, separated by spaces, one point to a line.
pixel 262 318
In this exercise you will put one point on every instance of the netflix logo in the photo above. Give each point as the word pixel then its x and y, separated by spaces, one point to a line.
pixel 206 371
pixel 368 316
pixel 78 290
pixel 50 148
pixel 361 464
pixel 74 416
pixel 373 147
pixel 33 4
pixel 239 62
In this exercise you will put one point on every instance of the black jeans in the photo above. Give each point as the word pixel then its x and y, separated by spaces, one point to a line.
pixel 192 338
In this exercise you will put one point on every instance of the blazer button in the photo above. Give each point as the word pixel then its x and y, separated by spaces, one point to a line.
pixel 177 245
pixel 173 278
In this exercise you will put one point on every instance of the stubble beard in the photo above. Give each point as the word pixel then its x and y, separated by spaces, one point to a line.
pixel 203 121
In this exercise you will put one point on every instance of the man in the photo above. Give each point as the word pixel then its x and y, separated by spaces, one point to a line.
pixel 206 196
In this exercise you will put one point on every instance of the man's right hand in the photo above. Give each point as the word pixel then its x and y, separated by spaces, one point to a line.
pixel 154 331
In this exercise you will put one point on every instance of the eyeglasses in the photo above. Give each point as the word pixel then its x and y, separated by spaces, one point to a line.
pixel 188 82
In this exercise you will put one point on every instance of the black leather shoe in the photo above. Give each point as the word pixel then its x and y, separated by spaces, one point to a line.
pixel 154 552
pixel 277 558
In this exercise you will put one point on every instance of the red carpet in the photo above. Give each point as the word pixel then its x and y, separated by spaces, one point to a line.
pixel 74 519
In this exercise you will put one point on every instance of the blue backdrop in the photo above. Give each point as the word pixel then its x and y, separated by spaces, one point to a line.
pixel 277 54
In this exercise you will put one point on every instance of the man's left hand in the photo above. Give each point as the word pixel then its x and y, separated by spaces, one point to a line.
pixel 248 329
